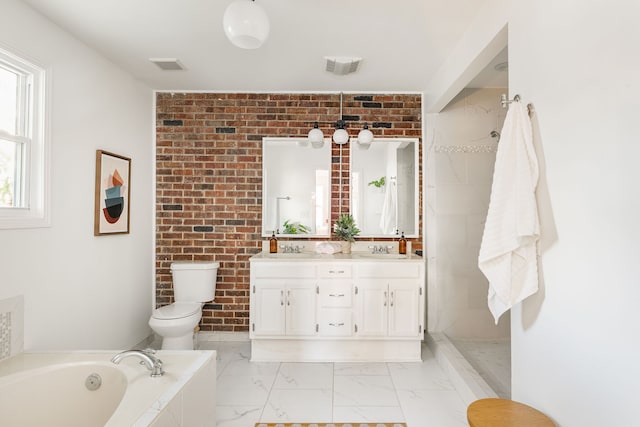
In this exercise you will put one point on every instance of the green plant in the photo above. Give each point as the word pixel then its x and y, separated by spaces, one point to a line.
pixel 379 183
pixel 345 228
pixel 294 228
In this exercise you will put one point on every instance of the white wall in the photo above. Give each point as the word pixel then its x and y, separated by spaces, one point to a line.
pixel 575 343
pixel 462 154
pixel 82 291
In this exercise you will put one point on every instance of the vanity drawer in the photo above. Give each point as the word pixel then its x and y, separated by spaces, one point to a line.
pixel 304 270
pixel 337 271
pixel 335 293
pixel 389 269
pixel 335 322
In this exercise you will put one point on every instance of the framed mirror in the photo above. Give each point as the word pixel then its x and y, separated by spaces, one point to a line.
pixel 296 188
pixel 385 187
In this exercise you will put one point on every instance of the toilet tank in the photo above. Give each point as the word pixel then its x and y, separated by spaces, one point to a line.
pixel 194 281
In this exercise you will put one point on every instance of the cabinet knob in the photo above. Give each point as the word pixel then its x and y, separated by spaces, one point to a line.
pixel 337 325
pixel 336 295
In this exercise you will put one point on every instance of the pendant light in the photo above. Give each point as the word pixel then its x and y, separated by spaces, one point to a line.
pixel 316 137
pixel 246 24
pixel 365 136
pixel 341 136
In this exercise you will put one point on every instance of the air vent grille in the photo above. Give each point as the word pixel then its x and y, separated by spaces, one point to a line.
pixel 342 65
pixel 167 64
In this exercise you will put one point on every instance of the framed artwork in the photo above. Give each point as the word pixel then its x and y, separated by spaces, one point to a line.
pixel 113 183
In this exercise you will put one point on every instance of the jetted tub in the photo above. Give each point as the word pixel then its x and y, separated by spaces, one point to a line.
pixel 55 390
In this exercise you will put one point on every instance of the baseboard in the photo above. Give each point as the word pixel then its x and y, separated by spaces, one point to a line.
pixel 469 384
pixel 223 336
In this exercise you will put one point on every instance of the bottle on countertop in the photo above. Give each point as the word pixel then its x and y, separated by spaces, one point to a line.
pixel 402 245
pixel 273 243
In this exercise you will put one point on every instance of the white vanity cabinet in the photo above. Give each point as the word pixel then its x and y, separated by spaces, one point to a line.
pixel 283 300
pixel 388 300
pixel 347 308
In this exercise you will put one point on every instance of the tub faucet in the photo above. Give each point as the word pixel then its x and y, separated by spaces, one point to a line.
pixel 148 359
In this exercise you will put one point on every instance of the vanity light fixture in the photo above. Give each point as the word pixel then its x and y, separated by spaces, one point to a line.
pixel 340 135
pixel 246 24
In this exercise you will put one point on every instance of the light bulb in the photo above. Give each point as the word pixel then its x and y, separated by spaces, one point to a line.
pixel 316 137
pixel 365 137
pixel 341 136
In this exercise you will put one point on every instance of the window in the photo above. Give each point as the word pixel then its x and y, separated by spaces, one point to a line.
pixel 23 145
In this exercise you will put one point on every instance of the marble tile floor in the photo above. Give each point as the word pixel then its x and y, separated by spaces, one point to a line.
pixel 491 359
pixel 419 394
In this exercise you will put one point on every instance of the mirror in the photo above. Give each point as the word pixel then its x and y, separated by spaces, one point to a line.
pixel 296 187
pixel 385 188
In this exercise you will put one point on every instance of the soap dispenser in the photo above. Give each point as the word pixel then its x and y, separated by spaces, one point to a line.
pixel 402 245
pixel 273 243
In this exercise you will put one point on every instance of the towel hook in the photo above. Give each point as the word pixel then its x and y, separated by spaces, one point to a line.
pixel 506 101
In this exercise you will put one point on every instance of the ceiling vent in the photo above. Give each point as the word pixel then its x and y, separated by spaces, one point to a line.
pixel 342 65
pixel 167 64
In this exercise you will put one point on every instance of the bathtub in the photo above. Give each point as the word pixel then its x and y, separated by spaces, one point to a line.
pixel 84 389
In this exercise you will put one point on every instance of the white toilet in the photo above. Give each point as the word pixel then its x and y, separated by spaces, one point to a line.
pixel 194 283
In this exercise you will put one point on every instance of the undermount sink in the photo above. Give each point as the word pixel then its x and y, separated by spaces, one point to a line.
pixel 387 256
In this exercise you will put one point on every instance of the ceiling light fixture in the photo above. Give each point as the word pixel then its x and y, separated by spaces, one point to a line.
pixel 246 24
pixel 340 135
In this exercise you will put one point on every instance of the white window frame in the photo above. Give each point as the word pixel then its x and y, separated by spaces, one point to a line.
pixel 34 186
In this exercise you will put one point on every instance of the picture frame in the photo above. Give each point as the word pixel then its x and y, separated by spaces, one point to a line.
pixel 112 194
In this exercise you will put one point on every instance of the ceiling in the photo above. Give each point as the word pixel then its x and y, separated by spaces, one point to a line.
pixel 402 42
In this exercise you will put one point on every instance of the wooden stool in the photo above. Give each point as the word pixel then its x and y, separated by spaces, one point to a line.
pixel 505 413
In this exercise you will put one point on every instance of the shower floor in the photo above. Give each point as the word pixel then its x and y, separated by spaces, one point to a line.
pixel 491 359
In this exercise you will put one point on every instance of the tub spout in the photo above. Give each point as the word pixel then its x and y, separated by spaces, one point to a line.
pixel 149 360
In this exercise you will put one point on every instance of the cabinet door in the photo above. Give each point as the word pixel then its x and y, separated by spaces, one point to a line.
pixel 404 308
pixel 301 308
pixel 372 308
pixel 268 308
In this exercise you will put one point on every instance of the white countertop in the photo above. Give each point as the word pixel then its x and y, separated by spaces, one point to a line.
pixel 354 256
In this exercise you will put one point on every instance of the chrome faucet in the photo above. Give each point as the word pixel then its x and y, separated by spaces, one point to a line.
pixel 381 249
pixel 291 249
pixel 147 358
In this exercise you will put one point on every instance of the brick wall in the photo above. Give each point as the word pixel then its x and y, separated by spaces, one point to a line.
pixel 209 177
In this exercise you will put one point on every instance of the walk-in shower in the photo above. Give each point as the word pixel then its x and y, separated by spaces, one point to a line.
pixel 464 150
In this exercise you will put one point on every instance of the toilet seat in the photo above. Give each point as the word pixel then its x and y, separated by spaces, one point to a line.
pixel 177 310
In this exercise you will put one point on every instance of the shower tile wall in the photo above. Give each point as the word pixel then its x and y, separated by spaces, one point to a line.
pixel 11 326
pixel 462 155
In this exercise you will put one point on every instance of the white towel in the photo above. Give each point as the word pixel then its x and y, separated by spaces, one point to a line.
pixel 389 209
pixel 508 253
pixel 328 248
